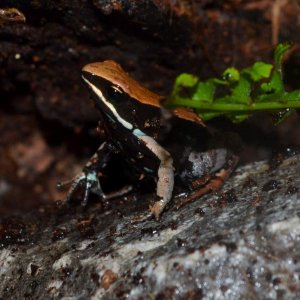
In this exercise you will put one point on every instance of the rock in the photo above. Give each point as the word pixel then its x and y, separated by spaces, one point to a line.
pixel 242 243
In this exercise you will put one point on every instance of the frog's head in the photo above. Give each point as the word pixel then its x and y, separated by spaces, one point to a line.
pixel 113 88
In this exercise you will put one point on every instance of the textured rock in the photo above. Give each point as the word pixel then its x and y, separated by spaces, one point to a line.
pixel 240 244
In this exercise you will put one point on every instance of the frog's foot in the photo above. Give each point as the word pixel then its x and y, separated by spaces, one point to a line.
pixel 157 208
pixel 213 184
pixel 91 182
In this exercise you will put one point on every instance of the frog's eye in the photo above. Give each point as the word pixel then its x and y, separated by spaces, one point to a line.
pixel 117 89
pixel 114 93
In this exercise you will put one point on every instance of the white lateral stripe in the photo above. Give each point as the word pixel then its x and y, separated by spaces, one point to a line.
pixel 109 105
pixel 138 133
pixel 151 144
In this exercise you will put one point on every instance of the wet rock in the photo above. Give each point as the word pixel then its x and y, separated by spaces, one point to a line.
pixel 238 249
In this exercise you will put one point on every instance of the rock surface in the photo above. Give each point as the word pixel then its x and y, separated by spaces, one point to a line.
pixel 240 244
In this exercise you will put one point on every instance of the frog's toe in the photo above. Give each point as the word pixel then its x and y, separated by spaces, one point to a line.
pixel 76 181
pixel 91 183
pixel 157 208
pixel 89 180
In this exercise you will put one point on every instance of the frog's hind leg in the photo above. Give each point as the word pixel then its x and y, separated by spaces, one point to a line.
pixel 212 183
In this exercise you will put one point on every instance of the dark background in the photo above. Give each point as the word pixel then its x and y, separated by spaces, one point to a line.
pixel 47 122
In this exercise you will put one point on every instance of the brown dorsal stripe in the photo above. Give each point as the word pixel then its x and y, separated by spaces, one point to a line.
pixel 114 73
pixel 189 115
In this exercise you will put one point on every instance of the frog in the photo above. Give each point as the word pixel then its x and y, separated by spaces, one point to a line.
pixel 168 145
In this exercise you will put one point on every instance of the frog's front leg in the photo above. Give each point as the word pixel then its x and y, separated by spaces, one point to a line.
pixel 165 183
pixel 89 174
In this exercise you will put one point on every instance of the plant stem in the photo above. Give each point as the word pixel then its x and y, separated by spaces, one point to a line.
pixel 237 107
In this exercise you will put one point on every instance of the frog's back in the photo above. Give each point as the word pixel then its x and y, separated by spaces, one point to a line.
pixel 114 73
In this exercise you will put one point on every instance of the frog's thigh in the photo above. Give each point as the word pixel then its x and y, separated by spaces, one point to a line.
pixel 165 182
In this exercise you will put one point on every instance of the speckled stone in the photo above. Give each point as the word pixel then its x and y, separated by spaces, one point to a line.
pixel 242 243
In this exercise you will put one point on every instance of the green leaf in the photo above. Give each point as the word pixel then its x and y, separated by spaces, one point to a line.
pixel 231 75
pixel 205 91
pixel 183 88
pixel 237 94
pixel 275 85
pixel 293 96
pixel 238 117
pixel 218 81
pixel 280 50
pixel 259 71
pixel 241 92
pixel 186 80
